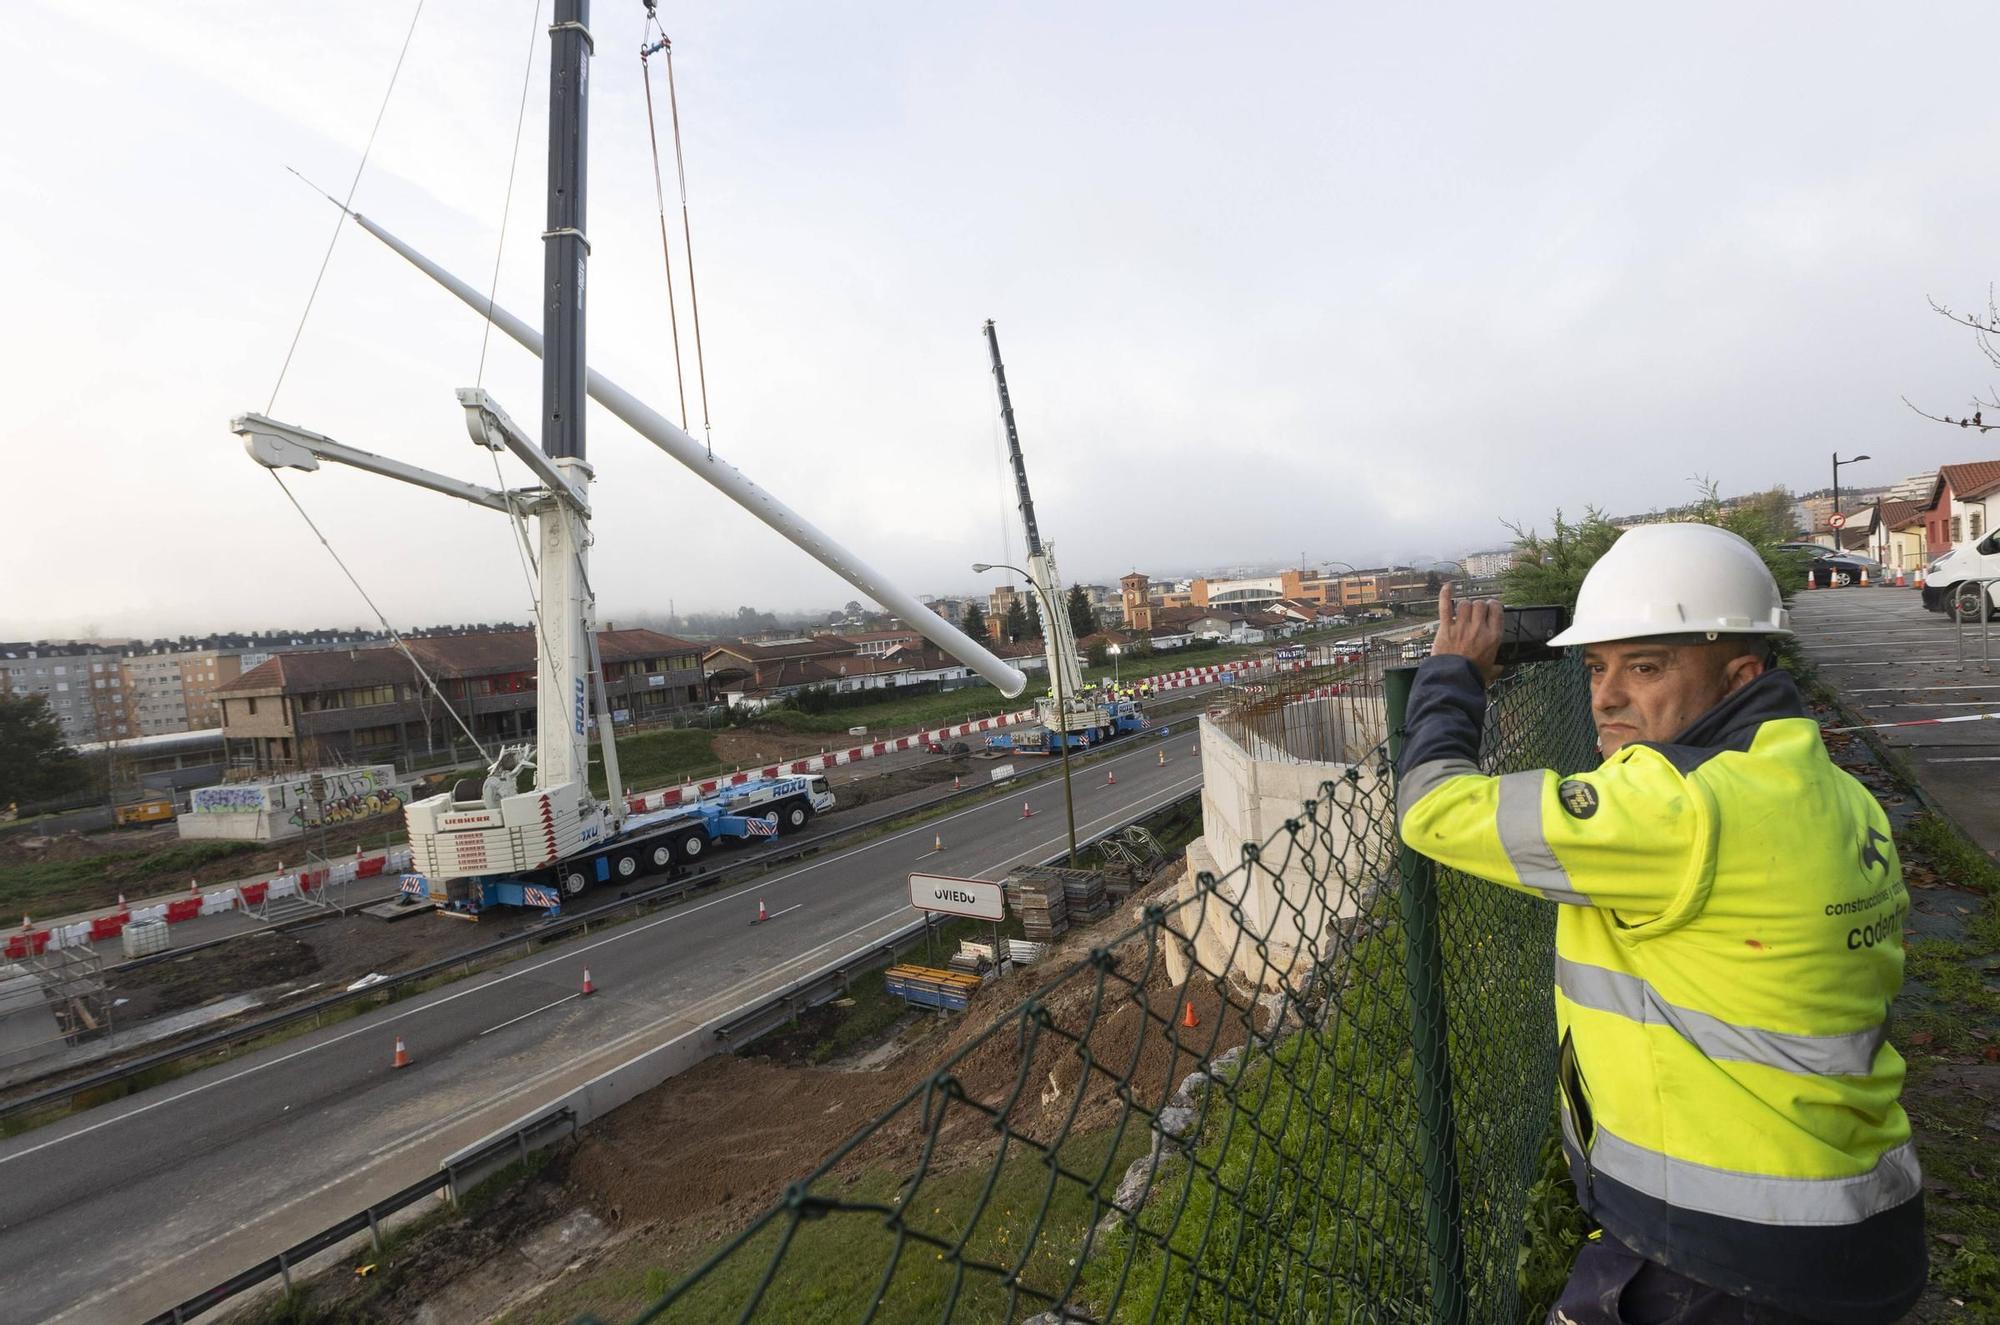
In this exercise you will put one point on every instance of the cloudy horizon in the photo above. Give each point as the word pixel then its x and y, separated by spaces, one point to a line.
pixel 1278 282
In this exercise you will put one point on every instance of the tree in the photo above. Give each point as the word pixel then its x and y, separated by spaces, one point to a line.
pixel 1034 611
pixel 1098 655
pixel 1082 621
pixel 1984 328
pixel 974 621
pixel 1015 624
pixel 36 764
pixel 1551 570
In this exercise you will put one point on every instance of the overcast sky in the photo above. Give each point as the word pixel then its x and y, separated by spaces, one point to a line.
pixel 1358 282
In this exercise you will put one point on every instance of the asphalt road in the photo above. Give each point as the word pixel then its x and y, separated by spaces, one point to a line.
pixel 126 1209
pixel 1893 662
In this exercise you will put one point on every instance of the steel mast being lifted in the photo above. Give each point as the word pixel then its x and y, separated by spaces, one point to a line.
pixel 1062 710
pixel 492 841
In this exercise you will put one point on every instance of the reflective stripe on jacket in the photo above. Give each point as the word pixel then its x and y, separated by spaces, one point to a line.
pixel 1728 942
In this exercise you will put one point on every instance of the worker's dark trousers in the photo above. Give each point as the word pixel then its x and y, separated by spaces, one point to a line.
pixel 1611 1284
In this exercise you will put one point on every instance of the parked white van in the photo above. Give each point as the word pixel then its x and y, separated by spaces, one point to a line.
pixel 1953 579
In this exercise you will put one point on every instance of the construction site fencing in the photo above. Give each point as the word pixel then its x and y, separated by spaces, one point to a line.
pixel 1313 1085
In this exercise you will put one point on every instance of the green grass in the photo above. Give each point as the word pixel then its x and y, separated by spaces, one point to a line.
pixel 658 759
pixel 1955 856
pixel 35 885
pixel 898 717
pixel 834 1263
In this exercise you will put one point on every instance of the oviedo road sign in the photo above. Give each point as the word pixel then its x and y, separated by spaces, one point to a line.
pixel 976 898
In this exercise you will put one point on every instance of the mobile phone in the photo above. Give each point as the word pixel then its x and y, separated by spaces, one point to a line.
pixel 1525 633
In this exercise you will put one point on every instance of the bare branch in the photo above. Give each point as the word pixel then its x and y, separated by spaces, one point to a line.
pixel 1976 420
pixel 1991 325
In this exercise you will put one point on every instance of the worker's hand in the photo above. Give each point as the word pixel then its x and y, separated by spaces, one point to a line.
pixel 1469 630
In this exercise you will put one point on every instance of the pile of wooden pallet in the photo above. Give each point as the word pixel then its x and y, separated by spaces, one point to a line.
pixel 1037 895
pixel 1088 902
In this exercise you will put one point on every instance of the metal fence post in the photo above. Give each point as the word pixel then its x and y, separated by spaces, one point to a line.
pixel 1423 957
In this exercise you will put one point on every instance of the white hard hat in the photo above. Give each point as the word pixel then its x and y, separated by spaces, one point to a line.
pixel 1677 579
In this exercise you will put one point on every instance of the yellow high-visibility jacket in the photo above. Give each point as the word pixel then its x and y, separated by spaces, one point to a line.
pixel 1728 944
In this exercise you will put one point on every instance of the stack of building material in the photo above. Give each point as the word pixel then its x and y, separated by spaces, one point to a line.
pixel 972 958
pixel 1023 953
pixel 1087 900
pixel 928 987
pixel 1037 896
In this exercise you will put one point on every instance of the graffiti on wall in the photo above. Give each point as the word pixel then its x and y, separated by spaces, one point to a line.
pixel 346 809
pixel 227 800
pixel 343 797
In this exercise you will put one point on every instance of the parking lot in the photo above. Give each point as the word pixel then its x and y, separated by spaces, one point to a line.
pixel 1894 662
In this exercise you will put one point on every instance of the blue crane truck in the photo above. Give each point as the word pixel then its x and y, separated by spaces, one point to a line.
pixel 654 842
pixel 1119 717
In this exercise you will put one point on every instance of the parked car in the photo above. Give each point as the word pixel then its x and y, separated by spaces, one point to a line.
pixel 1837 570
pixel 1955 578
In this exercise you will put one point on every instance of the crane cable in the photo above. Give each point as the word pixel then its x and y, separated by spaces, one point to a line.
pixel 647 49
pixel 523 545
pixel 292 349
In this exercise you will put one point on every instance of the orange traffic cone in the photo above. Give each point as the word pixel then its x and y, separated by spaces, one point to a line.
pixel 1110 779
pixel 588 988
pixel 1163 759
pixel 1188 1019
pixel 955 784
pixel 1920 577
pixel 1194 749
pixel 937 842
pixel 194 885
pixel 1026 813
pixel 1864 577
pixel 762 914
pixel 402 1054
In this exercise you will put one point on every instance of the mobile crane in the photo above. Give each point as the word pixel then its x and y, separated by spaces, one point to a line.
pixel 1065 715
pixel 486 841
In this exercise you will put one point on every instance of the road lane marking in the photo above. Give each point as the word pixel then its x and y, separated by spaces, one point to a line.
pixel 773 915
pixel 569 954
pixel 431 1128
pixel 525 1015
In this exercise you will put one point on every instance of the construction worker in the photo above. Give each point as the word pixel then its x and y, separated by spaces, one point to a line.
pixel 1728 942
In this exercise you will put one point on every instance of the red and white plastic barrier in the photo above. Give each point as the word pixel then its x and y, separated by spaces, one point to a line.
pixel 199 902
pixel 693 791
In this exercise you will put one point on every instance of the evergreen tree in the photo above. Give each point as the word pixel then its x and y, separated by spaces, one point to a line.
pixel 1015 624
pixel 1034 614
pixel 974 621
pixel 36 764
pixel 1082 621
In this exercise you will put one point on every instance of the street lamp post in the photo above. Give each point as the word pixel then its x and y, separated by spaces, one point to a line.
pixel 1062 710
pixel 1114 652
pixel 1837 463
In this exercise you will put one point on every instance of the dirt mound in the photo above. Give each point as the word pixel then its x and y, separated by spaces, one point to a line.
pixel 259 962
pixel 714 1148
pixel 722 1140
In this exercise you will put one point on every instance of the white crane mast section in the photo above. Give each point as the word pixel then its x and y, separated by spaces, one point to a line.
pixel 568 614
pixel 733 483
pixel 1059 642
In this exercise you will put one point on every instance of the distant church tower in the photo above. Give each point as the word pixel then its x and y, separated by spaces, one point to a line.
pixel 1137 606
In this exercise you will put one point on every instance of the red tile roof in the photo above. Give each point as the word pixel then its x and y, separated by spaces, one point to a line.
pixel 1894 515
pixel 1970 480
pixel 441 656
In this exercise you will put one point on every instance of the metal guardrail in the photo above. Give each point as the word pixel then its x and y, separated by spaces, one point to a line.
pixel 1983 587
pixel 280 1266
pixel 386 991
pixel 539 1129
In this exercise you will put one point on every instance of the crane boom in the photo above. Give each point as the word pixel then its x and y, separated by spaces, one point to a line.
pixel 1058 639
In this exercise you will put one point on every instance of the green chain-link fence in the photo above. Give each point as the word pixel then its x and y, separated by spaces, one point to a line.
pixel 1313 1086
